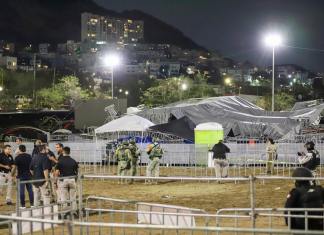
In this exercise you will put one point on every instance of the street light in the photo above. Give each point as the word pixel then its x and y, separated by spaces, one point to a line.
pixel 111 60
pixel 273 40
pixel 228 81
pixel 1 88
pixel 126 93
pixel 184 86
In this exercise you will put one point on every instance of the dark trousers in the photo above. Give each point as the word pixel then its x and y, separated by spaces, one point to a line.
pixel 29 190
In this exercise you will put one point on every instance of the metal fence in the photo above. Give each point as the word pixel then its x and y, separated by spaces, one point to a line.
pixel 246 157
pixel 102 215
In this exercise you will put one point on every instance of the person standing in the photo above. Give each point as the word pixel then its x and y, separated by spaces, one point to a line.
pixel 59 150
pixel 123 155
pixel 6 162
pixel 271 155
pixel 39 169
pixel 67 167
pixel 21 164
pixel 155 153
pixel 305 195
pixel 219 157
pixel 18 143
pixel 310 159
pixel 37 143
pixel 135 153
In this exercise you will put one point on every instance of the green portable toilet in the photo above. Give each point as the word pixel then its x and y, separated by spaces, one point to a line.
pixel 208 133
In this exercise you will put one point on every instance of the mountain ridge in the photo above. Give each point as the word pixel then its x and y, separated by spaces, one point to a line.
pixel 40 21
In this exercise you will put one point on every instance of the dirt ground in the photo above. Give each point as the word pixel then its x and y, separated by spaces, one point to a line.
pixel 208 196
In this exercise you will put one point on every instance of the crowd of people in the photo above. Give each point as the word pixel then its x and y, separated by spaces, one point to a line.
pixel 47 177
pixel 127 155
pixel 50 177
pixel 306 194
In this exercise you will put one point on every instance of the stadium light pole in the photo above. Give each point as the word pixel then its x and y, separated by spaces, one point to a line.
pixel 112 60
pixel 273 40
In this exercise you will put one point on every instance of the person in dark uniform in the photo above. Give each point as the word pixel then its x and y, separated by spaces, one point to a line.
pixel 39 168
pixel 6 162
pixel 52 163
pixel 311 158
pixel 59 150
pixel 67 167
pixel 220 162
pixel 36 147
pixel 21 164
pixel 305 195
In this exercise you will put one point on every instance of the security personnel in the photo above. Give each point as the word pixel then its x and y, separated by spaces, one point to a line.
pixel 22 164
pixel 123 155
pixel 59 150
pixel 305 195
pixel 220 162
pixel 67 167
pixel 39 168
pixel 155 153
pixel 53 161
pixel 135 153
pixel 6 162
pixel 311 158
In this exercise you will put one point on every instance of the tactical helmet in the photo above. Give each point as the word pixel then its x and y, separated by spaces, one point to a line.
pixel 302 172
pixel 125 142
pixel 310 145
pixel 132 141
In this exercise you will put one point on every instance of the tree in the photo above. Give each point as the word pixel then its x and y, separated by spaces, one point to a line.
pixel 283 102
pixel 66 91
pixel 177 88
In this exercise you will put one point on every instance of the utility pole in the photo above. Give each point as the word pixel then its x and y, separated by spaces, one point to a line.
pixel 54 75
pixel 34 84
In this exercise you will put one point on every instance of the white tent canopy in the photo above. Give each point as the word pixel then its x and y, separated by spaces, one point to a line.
pixel 130 122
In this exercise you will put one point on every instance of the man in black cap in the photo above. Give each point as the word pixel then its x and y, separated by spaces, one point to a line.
pixel 311 158
pixel 305 195
pixel 6 162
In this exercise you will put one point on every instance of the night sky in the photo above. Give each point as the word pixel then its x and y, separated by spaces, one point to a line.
pixel 236 27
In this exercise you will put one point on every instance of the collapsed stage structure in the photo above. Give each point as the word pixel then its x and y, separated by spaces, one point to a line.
pixel 239 117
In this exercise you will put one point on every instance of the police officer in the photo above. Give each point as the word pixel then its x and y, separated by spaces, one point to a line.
pixel 135 153
pixel 305 195
pixel 155 153
pixel 21 164
pixel 220 162
pixel 39 168
pixel 311 158
pixel 123 155
pixel 67 167
pixel 6 162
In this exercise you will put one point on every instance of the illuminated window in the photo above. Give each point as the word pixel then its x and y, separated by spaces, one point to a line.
pixel 129 21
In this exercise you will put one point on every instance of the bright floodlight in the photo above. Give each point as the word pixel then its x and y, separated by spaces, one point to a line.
pixel 184 86
pixel 126 92
pixel 273 40
pixel 228 81
pixel 111 60
pixel 1 88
